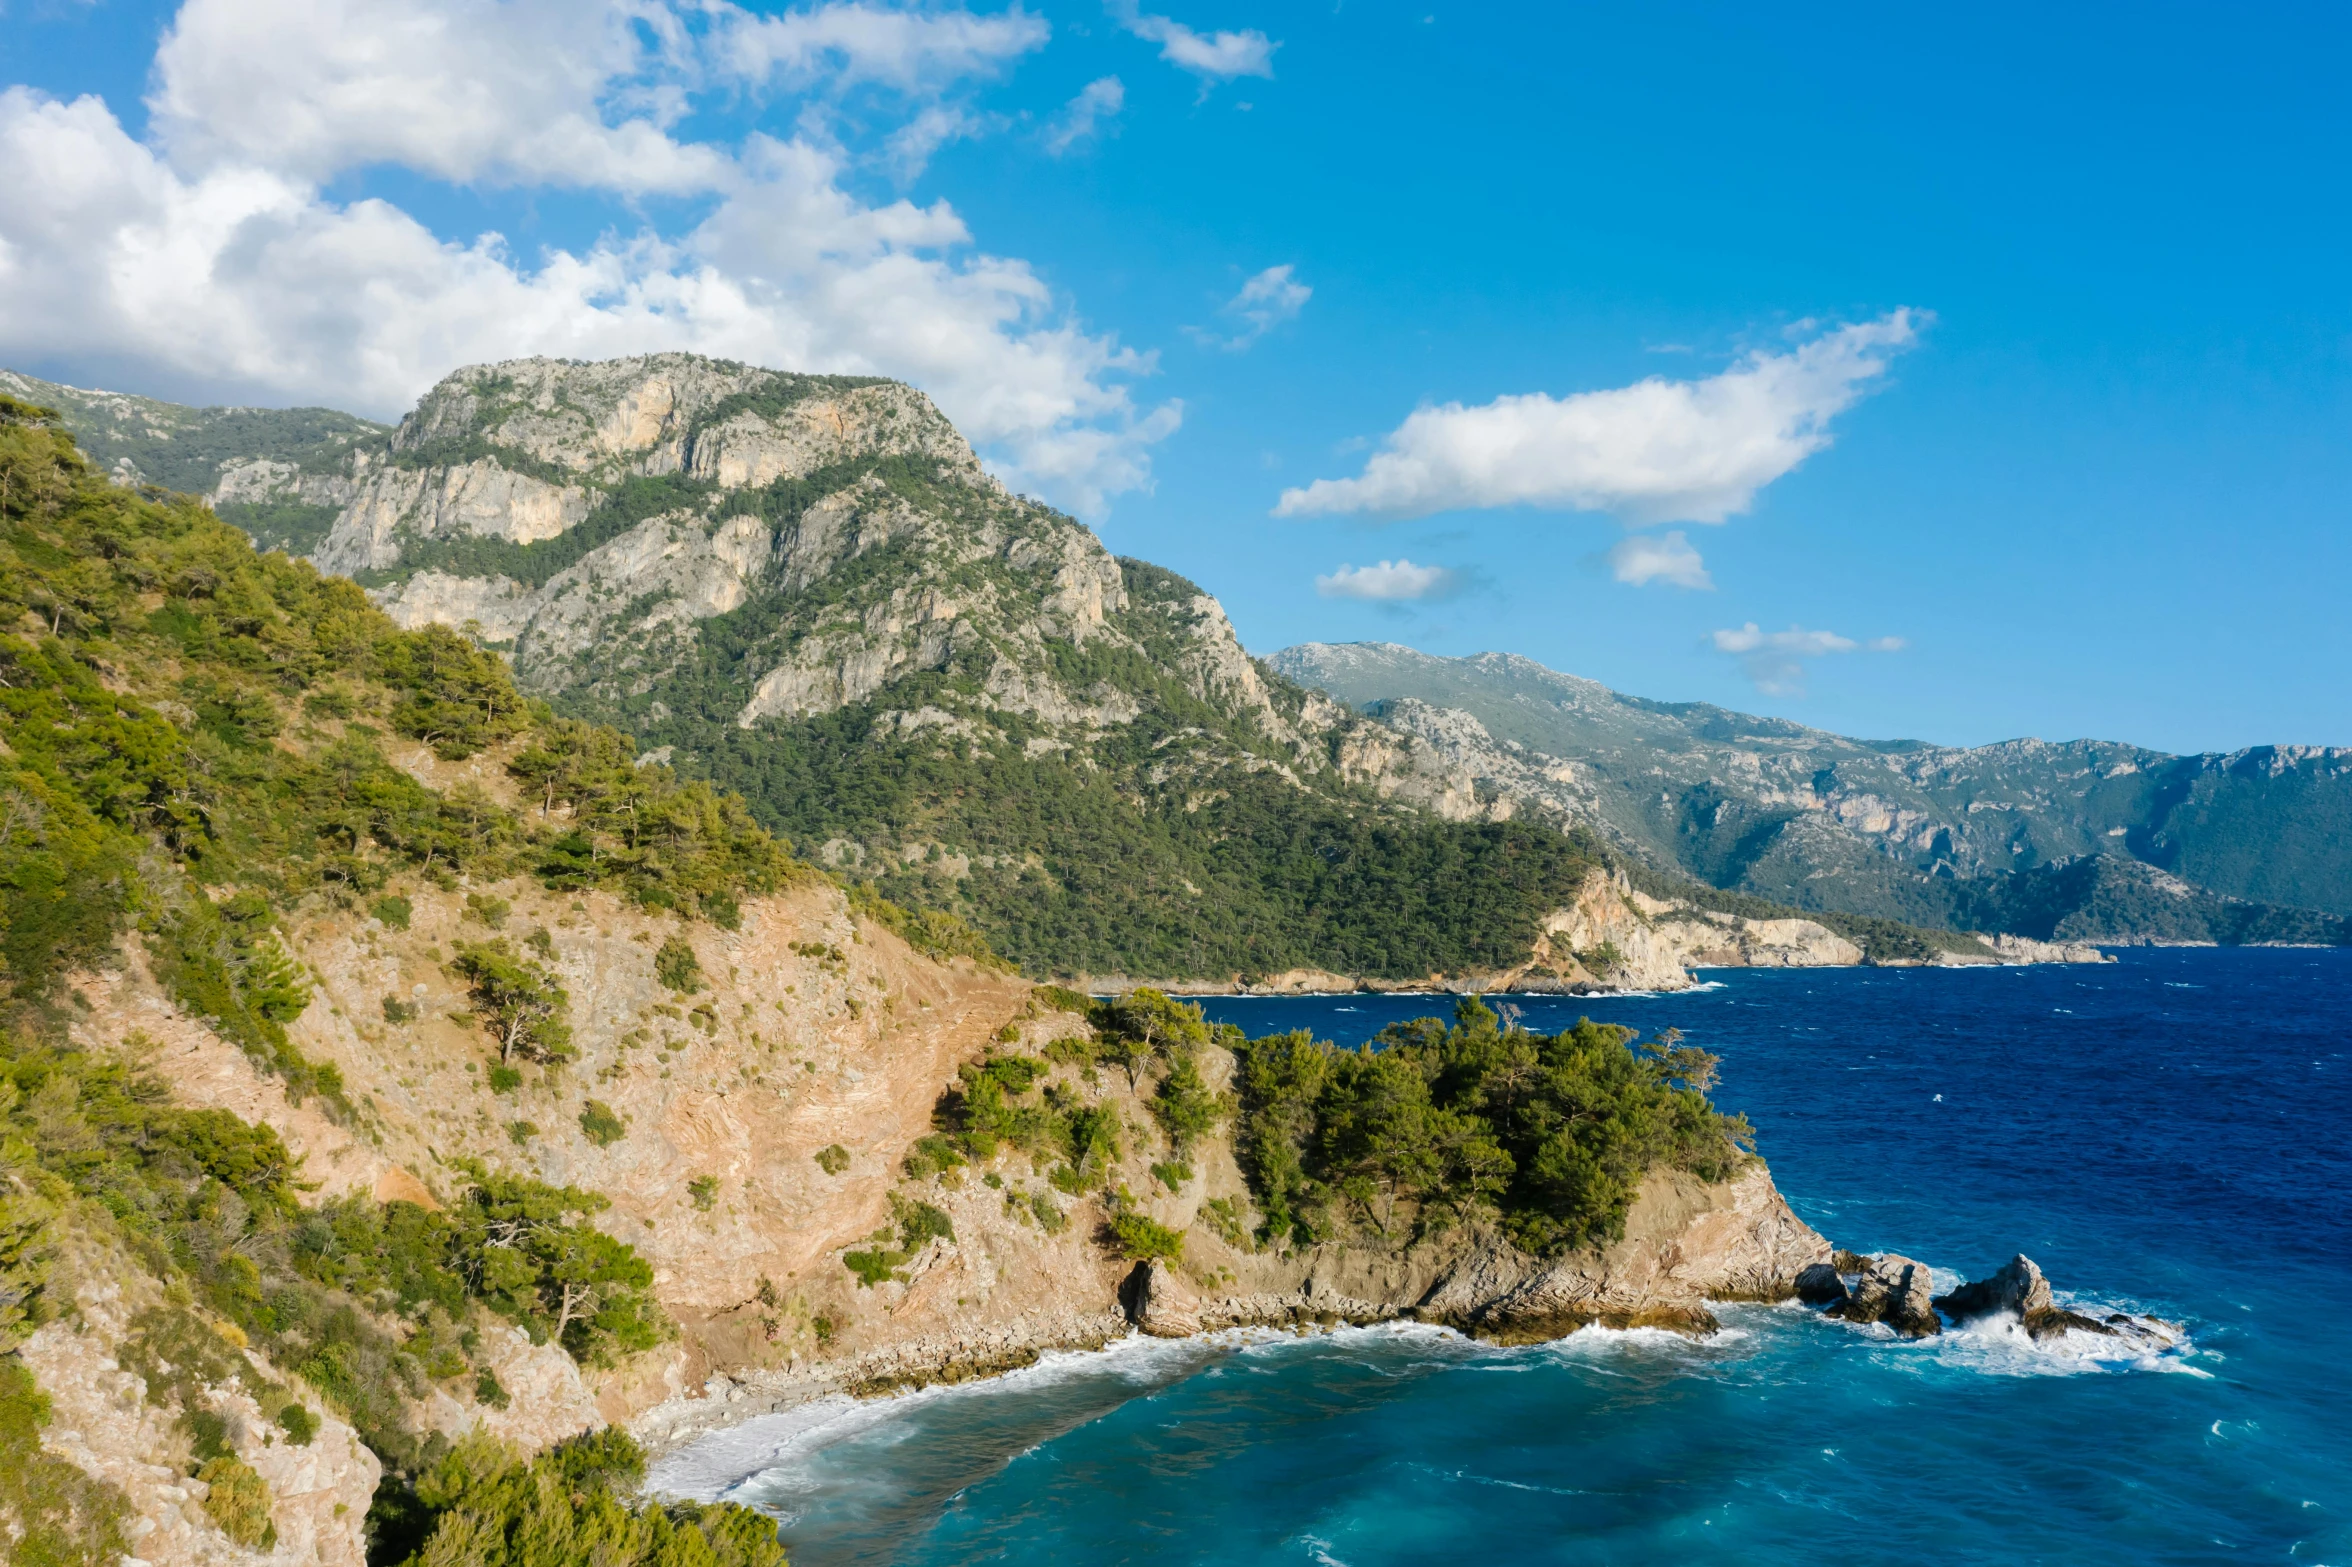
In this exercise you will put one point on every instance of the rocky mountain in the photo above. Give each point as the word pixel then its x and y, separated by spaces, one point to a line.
pixel 2082 840
pixel 809 589
pixel 276 473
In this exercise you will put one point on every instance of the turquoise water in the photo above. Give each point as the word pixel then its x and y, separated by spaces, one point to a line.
pixel 2168 1134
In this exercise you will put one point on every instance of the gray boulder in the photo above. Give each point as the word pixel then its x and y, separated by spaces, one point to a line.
pixel 1820 1284
pixel 1893 1290
pixel 2019 1289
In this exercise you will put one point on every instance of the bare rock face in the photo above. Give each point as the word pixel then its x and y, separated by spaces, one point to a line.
pixel 1896 1291
pixel 2019 1289
pixel 1161 1302
pixel 1686 1243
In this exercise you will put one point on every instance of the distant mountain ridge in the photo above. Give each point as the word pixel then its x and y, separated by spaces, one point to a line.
pixel 2075 840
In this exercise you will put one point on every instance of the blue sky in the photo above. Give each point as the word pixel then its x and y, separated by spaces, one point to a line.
pixel 2093 482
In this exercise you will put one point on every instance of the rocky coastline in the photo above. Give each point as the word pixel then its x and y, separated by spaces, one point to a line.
pixel 1491 1295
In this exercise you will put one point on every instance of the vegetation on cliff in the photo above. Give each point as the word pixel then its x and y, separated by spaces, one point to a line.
pixel 370 1304
pixel 1432 1125
pixel 192 737
pixel 192 745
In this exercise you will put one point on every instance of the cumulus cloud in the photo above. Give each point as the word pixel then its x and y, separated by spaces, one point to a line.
pixel 1656 451
pixel 1669 558
pixel 1390 582
pixel 848 43
pixel 1082 120
pixel 208 261
pixel 1213 57
pixel 500 93
pixel 1264 303
pixel 1774 661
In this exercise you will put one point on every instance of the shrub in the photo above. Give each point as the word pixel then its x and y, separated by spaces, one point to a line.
pixel 521 1132
pixel 239 1501
pixel 299 1424
pixel 1058 998
pixel 490 911
pixel 1140 1239
pixel 703 1190
pixel 915 1224
pixel 932 1155
pixel 833 1159
pixel 1184 1107
pixel 505 1079
pixel 600 1125
pixel 676 966
pixel 1223 1217
pixel 399 1011
pixel 393 911
pixel 1172 1174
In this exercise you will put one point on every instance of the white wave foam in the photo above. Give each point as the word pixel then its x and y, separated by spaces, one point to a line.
pixel 711 1466
pixel 2000 1346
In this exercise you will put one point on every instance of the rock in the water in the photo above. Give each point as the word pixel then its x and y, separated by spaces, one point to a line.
pixel 1162 1303
pixel 2019 1288
pixel 1820 1284
pixel 1893 1290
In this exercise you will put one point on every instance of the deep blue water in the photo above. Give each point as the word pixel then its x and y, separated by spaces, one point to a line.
pixel 2169 1134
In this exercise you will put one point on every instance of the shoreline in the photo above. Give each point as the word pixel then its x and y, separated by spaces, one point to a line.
pixel 1282 988
pixel 731 1399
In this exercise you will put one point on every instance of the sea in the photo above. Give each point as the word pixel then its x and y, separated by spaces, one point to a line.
pixel 2168 1134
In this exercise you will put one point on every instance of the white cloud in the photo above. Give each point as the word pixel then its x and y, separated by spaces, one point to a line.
pixel 1213 57
pixel 909 148
pixel 1796 641
pixel 210 263
pixel 1640 559
pixel 1390 582
pixel 465 91
pixel 847 43
pixel 1656 451
pixel 1774 660
pixel 1082 120
pixel 1264 303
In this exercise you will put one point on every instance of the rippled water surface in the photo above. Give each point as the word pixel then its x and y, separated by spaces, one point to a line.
pixel 2171 1133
